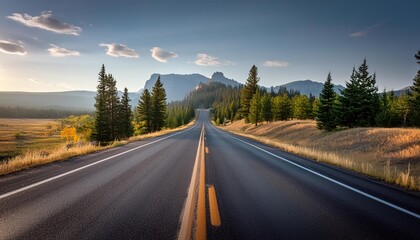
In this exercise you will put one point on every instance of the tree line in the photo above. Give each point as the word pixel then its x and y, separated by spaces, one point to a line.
pixel 113 115
pixel 151 109
pixel 115 119
pixel 358 105
pixel 47 113
pixel 257 104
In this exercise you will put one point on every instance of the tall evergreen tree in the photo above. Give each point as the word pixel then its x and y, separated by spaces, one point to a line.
pixel 267 107
pixel 326 117
pixel 256 109
pixel 414 101
pixel 125 116
pixel 112 103
pixel 101 129
pixel 248 92
pixel 144 112
pixel 414 97
pixel 359 103
pixel 158 105
pixel 350 102
pixel 370 106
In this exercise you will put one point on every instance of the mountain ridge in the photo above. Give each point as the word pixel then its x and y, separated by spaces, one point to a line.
pixel 177 86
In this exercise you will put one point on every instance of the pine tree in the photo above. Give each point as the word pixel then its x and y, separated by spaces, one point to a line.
pixel 414 101
pixel 414 97
pixel 112 104
pixel 282 107
pixel 125 116
pixel 370 103
pixel 350 103
pixel 359 103
pixel 248 92
pixel 144 112
pixel 326 117
pixel 101 129
pixel 158 105
pixel 267 107
pixel 256 109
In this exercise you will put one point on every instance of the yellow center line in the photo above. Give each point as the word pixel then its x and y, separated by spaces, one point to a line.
pixel 214 208
pixel 207 150
pixel 187 218
pixel 201 208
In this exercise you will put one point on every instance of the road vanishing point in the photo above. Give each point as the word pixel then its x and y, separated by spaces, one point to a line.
pixel 201 183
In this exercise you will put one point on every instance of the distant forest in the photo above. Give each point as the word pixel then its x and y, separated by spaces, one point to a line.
pixel 358 105
pixel 19 112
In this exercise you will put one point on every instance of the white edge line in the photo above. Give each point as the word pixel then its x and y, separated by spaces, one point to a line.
pixel 5 195
pixel 328 178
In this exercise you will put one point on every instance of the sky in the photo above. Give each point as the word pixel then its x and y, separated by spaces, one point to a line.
pixel 56 45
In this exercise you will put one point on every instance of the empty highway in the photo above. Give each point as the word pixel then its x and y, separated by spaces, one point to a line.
pixel 144 190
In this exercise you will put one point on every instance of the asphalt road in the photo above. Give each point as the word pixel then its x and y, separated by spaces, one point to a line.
pixel 265 193
pixel 137 195
pixel 138 191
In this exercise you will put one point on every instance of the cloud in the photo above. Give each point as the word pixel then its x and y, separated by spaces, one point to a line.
pixel 365 32
pixel 56 51
pixel 162 56
pixel 119 50
pixel 207 60
pixel 47 22
pixel 34 80
pixel 275 64
pixel 12 48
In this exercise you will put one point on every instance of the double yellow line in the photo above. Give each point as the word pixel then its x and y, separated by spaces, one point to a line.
pixel 192 200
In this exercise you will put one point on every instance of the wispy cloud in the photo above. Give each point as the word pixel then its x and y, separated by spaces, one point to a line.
pixel 47 22
pixel 56 51
pixel 207 60
pixel 161 55
pixel 34 81
pixel 12 48
pixel 365 31
pixel 119 50
pixel 272 63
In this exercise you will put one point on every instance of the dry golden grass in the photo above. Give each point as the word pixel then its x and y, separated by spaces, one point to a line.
pixel 389 154
pixel 40 156
pixel 20 135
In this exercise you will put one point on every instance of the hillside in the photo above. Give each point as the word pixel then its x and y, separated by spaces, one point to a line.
pixel 307 87
pixel 178 86
pixel 385 153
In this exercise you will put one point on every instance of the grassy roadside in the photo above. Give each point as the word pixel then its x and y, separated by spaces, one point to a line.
pixel 391 155
pixel 37 157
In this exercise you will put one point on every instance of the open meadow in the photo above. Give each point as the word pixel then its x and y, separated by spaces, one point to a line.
pixel 390 154
pixel 18 136
pixel 26 143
